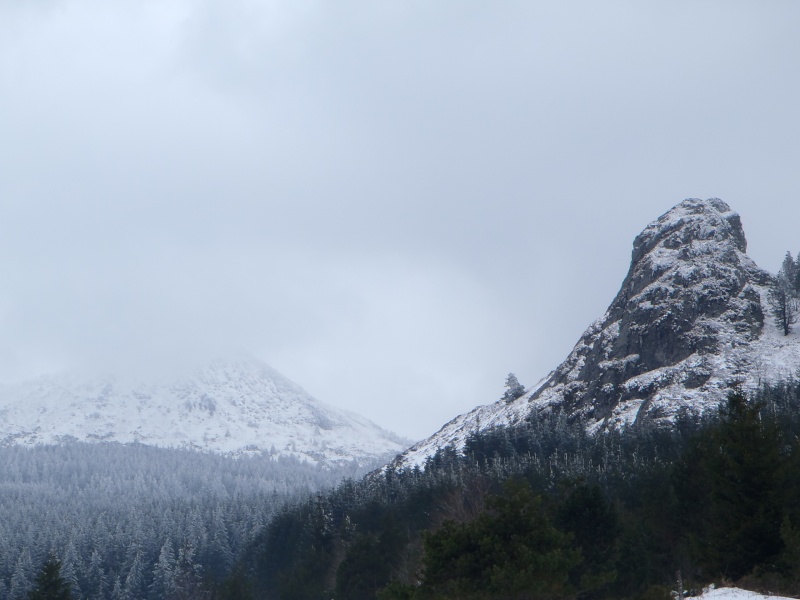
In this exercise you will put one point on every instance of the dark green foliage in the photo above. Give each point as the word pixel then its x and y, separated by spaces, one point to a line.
pixel 50 585
pixel 367 567
pixel 587 515
pixel 510 551
pixel 612 515
pixel 730 491
pixel 235 587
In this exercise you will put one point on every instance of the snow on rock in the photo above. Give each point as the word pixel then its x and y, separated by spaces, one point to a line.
pixel 690 320
pixel 228 406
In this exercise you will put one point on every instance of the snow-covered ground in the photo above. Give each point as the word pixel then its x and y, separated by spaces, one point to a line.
pixel 732 593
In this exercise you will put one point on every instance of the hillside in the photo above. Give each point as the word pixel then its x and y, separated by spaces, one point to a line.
pixel 227 406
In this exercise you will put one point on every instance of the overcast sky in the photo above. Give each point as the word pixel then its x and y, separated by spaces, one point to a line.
pixel 394 203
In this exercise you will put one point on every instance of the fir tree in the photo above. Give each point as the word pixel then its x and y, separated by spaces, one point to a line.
pixel 783 297
pixel 510 551
pixel 50 585
pixel 514 389
pixel 22 575
pixel 783 305
pixel 744 470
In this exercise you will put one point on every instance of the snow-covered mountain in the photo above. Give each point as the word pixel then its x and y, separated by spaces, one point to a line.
pixel 690 320
pixel 230 406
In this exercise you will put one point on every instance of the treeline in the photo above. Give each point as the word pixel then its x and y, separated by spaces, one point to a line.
pixel 546 510
pixel 138 522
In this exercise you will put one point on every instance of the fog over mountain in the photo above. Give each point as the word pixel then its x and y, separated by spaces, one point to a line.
pixel 394 204
pixel 236 406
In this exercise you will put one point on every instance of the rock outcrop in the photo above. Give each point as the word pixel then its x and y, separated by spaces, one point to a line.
pixel 690 320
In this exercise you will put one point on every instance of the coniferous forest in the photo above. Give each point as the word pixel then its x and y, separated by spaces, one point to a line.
pixel 135 521
pixel 548 511
pixel 540 510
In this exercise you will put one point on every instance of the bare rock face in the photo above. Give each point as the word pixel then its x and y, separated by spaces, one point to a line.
pixel 691 291
pixel 689 321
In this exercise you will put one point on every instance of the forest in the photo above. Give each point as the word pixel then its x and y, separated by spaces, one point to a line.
pixel 136 521
pixel 548 511
pixel 543 510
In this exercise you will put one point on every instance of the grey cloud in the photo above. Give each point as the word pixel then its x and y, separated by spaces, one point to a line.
pixel 393 203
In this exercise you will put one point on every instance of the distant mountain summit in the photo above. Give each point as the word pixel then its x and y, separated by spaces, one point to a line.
pixel 228 406
pixel 690 320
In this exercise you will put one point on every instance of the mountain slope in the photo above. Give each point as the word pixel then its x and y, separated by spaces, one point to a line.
pixel 690 320
pixel 228 406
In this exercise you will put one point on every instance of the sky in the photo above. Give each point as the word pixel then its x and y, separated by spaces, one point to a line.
pixel 393 203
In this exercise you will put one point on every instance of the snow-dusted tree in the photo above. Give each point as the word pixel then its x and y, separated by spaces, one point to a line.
pixel 783 300
pixel 188 576
pixel 22 577
pixel 163 583
pixel 514 389
pixel 790 270
pixel 96 576
pixel 797 274
pixel 50 585
pixel 70 566
pixel 117 592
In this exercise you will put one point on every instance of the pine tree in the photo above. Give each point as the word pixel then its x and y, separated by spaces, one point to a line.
pixel 21 578
pixel 514 389
pixel 134 580
pixel 797 275
pixel 744 468
pixel 783 297
pixel 117 593
pixel 163 582
pixel 510 551
pixel 50 585
pixel 790 270
pixel 96 576
pixel 70 567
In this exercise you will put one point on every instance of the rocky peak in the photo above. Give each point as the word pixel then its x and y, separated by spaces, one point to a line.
pixel 690 291
pixel 687 323
pixel 691 222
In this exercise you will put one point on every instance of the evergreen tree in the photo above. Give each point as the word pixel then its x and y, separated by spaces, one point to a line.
pixel 797 275
pixel 783 297
pixel 96 577
pixel 510 551
pixel 744 467
pixel 188 582
pixel 70 566
pixel 134 581
pixel 22 577
pixel 50 585
pixel 514 389
pixel 117 593
pixel 591 520
pixel 163 582
pixel 783 306
pixel 790 270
